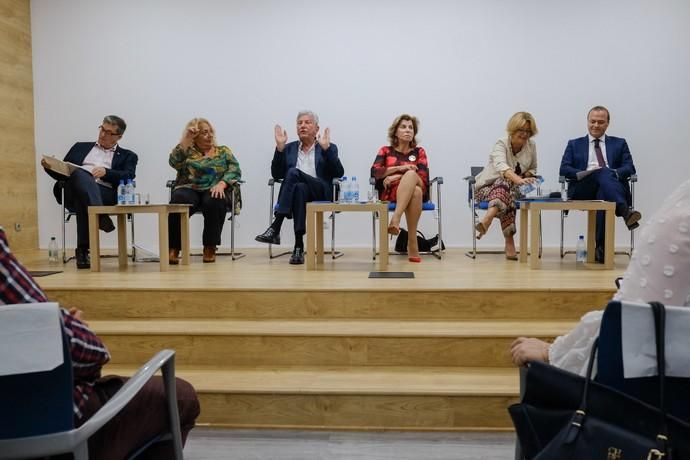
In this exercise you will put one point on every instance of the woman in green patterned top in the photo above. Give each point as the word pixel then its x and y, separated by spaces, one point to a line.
pixel 205 173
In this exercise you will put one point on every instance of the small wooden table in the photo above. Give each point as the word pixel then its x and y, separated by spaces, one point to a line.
pixel 315 210
pixel 533 208
pixel 121 211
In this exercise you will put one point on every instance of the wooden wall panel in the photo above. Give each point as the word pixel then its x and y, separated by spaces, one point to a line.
pixel 17 152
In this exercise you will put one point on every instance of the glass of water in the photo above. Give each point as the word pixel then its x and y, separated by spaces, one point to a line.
pixel 371 196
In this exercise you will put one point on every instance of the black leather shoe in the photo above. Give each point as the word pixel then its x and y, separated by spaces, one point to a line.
pixel 599 255
pixel 105 223
pixel 82 256
pixel 297 257
pixel 632 219
pixel 270 236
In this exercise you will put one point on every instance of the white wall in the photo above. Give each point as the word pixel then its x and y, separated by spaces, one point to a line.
pixel 462 67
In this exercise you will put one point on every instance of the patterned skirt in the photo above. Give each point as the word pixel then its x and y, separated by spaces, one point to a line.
pixel 501 194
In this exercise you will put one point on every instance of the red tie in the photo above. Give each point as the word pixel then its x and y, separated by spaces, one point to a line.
pixel 600 156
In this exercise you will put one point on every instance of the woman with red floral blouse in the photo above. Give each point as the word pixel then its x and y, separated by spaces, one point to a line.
pixel 402 175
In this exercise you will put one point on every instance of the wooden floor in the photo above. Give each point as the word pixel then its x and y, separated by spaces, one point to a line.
pixel 269 345
pixel 209 444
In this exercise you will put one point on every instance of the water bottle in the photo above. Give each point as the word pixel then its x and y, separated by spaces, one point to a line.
pixel 52 251
pixel 528 187
pixel 580 251
pixel 354 190
pixel 129 192
pixel 344 190
pixel 121 193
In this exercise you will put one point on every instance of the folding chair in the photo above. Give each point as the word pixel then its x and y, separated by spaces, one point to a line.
pixel 272 209
pixel 232 217
pixel 565 185
pixel 37 417
pixel 475 206
pixel 428 205
pixel 66 218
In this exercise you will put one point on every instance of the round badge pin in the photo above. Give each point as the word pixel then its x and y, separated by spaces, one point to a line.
pixel 412 158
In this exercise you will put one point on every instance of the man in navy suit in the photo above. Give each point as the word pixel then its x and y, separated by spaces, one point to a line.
pixel 598 167
pixel 103 165
pixel 307 168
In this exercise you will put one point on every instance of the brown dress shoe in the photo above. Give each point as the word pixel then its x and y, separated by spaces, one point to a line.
pixel 209 254
pixel 174 257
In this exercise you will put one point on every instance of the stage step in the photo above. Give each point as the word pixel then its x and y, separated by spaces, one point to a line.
pixel 416 303
pixel 230 343
pixel 336 397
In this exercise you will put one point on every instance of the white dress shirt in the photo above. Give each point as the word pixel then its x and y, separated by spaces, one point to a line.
pixel 306 161
pixel 592 162
pixel 99 157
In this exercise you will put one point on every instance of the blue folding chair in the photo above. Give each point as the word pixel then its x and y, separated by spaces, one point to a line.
pixel 475 206
pixel 428 205
pixel 565 188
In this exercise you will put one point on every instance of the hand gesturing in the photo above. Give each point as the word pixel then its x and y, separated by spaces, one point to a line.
pixel 325 140
pixel 281 138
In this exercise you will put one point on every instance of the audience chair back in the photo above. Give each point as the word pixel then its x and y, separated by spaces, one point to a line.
pixel 37 404
pixel 610 370
pixel 565 187
pixel 433 204
pixel 232 217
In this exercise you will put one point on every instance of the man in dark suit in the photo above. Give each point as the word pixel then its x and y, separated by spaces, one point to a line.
pixel 598 167
pixel 103 165
pixel 307 168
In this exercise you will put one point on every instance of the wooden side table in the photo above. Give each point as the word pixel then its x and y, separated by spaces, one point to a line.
pixel 121 211
pixel 315 210
pixel 530 209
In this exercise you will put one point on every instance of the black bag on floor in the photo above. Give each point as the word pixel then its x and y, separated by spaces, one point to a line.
pixel 565 416
pixel 424 244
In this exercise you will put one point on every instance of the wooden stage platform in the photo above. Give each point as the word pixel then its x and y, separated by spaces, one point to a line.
pixel 271 345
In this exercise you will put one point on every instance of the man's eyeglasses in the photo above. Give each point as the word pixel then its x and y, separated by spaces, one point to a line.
pixel 109 133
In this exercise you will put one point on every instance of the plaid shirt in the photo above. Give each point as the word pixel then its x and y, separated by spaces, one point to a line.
pixel 88 352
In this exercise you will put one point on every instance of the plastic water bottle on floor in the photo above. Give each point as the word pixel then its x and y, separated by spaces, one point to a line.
pixel 121 198
pixel 52 251
pixel 354 190
pixel 580 251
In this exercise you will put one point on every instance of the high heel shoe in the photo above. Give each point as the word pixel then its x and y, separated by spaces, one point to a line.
pixel 481 229
pixel 414 259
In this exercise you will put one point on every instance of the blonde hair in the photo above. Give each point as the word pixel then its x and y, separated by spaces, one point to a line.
pixel 393 139
pixel 522 120
pixel 195 122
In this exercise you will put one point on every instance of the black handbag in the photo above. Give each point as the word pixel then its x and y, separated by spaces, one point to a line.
pixel 565 416
pixel 424 244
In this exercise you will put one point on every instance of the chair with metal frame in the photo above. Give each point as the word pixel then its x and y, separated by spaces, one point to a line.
pixel 475 206
pixel 232 217
pixel 565 184
pixel 272 209
pixel 428 205
pixel 67 217
pixel 40 422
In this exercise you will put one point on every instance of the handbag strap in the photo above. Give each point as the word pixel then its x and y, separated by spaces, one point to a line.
pixel 659 312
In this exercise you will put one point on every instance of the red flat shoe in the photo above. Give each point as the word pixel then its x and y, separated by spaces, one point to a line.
pixel 415 259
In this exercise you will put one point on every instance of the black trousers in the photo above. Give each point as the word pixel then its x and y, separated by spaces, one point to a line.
pixel 213 209
pixel 602 185
pixel 297 190
pixel 82 191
